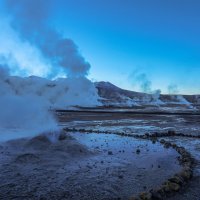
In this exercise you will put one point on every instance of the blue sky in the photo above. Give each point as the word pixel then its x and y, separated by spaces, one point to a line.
pixel 159 38
pixel 118 37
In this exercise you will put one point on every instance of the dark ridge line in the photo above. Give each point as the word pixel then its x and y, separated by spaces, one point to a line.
pixel 144 136
pixel 128 112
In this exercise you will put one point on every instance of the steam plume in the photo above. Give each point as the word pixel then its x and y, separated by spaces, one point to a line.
pixel 25 101
pixel 145 85
pixel 141 79
pixel 173 89
pixel 30 19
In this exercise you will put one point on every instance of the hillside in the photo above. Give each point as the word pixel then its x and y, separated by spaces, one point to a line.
pixel 114 96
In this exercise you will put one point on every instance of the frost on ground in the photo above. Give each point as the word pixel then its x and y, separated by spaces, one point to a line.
pixel 131 123
pixel 192 146
pixel 140 124
pixel 88 166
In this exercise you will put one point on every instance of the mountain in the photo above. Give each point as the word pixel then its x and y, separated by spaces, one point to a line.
pixel 113 96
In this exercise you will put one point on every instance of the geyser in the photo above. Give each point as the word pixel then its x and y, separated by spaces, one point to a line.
pixel 26 102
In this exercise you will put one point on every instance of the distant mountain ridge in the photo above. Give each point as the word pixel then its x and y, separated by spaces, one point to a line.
pixel 112 95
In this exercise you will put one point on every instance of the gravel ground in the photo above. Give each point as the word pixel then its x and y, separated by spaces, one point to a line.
pixel 98 166
pixel 91 166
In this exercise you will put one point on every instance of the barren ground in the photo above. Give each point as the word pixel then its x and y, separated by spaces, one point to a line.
pixel 98 166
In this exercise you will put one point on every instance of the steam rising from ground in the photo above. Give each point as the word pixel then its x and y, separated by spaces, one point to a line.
pixel 26 103
pixel 145 85
pixel 142 80
pixel 30 19
pixel 23 116
pixel 173 89
pixel 30 46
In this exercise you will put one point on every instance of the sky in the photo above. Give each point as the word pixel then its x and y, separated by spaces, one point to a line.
pixel 128 40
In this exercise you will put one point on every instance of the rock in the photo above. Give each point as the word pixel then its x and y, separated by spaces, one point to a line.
pixel 171 187
pixel 174 186
pixel 177 179
pixel 167 145
pixel 171 133
pixel 110 153
pixel 146 196
pixel 186 175
pixel 174 146
pixel 62 136
pixel 181 150
pixel 156 134
pixel 166 188
pixel 162 141
pixel 121 176
pixel 144 137
pixel 147 134
pixel 161 192
pixel 138 151
pixel 134 198
pixel 153 140
pixel 156 195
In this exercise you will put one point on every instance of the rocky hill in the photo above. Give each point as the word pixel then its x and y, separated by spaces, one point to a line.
pixel 113 96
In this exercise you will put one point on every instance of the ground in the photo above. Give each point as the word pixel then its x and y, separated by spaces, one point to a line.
pixel 98 166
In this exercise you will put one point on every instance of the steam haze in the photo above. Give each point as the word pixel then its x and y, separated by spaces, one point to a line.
pixel 32 47
pixel 30 20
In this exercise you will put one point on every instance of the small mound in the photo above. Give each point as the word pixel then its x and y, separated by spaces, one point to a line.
pixel 64 143
pixel 73 148
pixel 64 136
pixel 27 158
pixel 69 145
pixel 40 142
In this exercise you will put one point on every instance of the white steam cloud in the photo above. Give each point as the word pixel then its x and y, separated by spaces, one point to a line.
pixel 21 112
pixel 173 89
pixel 30 19
pixel 30 46
pixel 145 85
pixel 143 82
